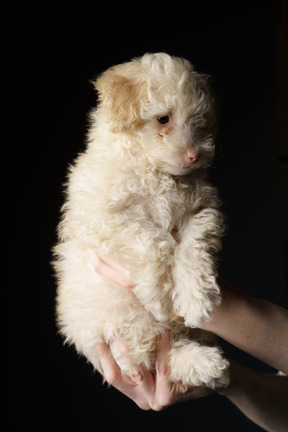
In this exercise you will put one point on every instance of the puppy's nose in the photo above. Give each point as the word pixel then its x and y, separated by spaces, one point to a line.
pixel 192 156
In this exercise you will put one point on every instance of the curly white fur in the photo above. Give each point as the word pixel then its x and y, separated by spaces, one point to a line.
pixel 140 192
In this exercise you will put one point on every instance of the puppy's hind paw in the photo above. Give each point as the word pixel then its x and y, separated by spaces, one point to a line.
pixel 197 365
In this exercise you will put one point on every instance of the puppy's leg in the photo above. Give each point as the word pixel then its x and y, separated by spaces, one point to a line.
pixel 194 271
pixel 197 365
pixel 134 343
pixel 152 288
pixel 150 254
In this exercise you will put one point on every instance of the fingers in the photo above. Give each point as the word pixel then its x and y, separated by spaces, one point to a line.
pixel 168 393
pixel 114 270
pixel 140 376
pixel 163 396
pixel 147 390
pixel 110 368
pixel 143 381
pixel 113 374
pixel 135 371
pixel 162 354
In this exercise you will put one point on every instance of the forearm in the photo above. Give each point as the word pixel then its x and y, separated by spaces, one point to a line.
pixel 261 397
pixel 258 327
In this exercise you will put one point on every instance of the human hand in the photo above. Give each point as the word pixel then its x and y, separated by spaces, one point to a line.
pixel 148 390
pixel 114 270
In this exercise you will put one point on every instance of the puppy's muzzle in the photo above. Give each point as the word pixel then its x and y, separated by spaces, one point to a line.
pixel 192 156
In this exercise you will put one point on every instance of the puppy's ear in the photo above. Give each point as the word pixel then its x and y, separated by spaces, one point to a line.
pixel 122 92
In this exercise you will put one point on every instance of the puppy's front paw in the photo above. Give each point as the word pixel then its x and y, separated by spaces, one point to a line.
pixel 195 301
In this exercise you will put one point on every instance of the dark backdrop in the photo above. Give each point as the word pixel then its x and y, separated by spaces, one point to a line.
pixel 51 60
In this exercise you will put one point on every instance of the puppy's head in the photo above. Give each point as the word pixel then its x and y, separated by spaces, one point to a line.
pixel 167 107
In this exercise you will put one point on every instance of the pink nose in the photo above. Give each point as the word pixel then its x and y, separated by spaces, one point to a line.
pixel 192 156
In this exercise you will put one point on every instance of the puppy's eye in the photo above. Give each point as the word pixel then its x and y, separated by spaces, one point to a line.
pixel 163 119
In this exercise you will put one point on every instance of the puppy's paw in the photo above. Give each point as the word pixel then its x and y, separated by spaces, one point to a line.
pixel 197 365
pixel 195 301
pixel 195 311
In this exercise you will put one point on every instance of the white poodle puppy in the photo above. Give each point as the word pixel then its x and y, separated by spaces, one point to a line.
pixel 139 192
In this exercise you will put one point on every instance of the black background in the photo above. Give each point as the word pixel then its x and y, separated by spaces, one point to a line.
pixel 51 59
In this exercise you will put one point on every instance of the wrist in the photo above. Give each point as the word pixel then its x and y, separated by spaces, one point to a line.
pixel 236 376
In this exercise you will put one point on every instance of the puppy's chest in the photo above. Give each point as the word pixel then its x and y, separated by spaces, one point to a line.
pixel 166 210
pixel 163 202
